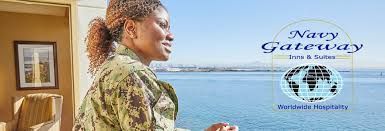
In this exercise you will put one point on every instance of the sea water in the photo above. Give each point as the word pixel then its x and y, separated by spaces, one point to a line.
pixel 245 99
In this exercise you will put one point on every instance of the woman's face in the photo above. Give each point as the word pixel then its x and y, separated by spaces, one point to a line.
pixel 154 37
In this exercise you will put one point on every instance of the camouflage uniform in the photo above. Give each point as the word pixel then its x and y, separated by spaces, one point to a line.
pixel 126 95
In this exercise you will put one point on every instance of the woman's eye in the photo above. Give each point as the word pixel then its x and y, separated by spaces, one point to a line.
pixel 163 25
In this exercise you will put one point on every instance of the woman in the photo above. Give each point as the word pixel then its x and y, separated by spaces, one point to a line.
pixel 126 94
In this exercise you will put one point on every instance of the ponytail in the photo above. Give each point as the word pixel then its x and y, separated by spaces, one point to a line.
pixel 99 44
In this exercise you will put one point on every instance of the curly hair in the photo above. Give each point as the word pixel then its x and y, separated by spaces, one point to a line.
pixel 102 33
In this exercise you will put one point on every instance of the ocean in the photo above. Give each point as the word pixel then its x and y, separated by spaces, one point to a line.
pixel 247 99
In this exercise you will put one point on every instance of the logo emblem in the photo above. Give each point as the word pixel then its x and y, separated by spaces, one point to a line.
pixel 311 83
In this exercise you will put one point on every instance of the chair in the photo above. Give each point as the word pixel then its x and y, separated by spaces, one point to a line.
pixel 35 112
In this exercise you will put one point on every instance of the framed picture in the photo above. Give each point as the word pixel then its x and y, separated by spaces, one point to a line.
pixel 36 65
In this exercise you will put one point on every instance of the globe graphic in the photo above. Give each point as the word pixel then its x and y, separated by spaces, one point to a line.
pixel 311 83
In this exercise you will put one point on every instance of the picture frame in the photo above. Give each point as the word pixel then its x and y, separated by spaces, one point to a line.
pixel 36 65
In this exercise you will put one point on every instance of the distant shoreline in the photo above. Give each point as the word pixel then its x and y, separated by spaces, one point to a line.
pixel 233 71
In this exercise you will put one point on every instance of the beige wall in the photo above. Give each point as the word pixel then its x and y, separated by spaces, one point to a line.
pixel 47 1
pixel 56 1
pixel 31 27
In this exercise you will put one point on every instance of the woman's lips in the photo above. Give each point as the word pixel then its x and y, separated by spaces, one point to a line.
pixel 167 46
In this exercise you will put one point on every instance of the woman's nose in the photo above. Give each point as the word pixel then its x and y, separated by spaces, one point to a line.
pixel 170 37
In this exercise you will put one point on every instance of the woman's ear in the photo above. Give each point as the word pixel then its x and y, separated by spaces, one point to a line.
pixel 130 28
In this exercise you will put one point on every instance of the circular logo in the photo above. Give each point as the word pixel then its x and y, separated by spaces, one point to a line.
pixel 311 83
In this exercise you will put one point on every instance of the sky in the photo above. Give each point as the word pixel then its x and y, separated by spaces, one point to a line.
pixel 229 31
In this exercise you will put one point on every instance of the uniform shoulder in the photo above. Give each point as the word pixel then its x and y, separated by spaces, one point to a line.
pixel 119 67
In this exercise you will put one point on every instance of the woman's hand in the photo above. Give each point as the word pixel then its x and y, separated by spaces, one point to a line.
pixel 222 126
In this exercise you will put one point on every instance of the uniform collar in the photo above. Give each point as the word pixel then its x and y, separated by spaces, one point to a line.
pixel 124 50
